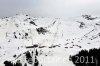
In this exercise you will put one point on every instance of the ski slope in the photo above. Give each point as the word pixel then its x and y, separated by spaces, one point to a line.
pixel 54 39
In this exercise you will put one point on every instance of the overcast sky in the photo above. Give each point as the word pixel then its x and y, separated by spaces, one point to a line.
pixel 65 8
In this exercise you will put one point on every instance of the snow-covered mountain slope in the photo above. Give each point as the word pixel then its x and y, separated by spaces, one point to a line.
pixel 53 39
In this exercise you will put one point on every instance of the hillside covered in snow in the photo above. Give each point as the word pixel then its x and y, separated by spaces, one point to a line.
pixel 45 41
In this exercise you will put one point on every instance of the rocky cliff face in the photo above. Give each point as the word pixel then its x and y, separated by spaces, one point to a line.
pixel 44 41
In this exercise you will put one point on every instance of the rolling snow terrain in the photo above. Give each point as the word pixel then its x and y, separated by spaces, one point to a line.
pixel 45 41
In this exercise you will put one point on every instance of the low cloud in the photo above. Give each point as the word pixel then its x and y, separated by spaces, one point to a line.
pixel 65 8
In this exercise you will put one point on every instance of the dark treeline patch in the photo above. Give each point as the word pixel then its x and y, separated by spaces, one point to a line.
pixel 31 22
pixel 94 53
pixel 14 56
pixel 98 24
pixel 25 64
pixel 89 17
pixel 36 63
pixel 29 57
pixel 15 35
pixel 82 24
pixel 18 63
pixel 9 63
pixel 36 52
pixel 98 34
pixel 26 34
pixel 41 30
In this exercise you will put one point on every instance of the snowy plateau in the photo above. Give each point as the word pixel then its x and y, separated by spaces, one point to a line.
pixel 46 41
